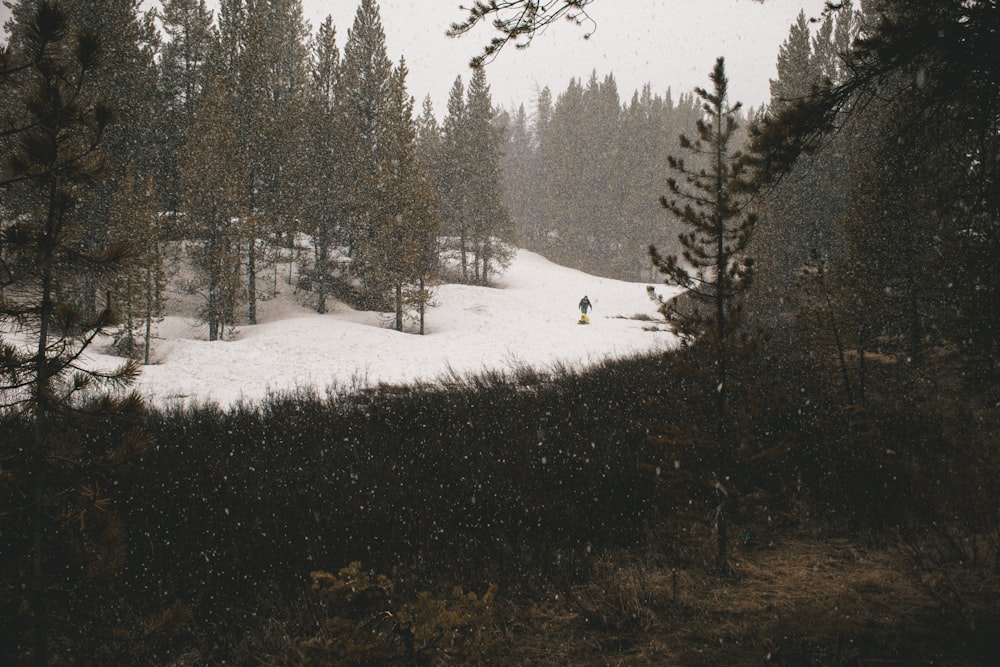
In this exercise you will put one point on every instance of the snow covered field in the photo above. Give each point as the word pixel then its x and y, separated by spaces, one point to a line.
pixel 528 319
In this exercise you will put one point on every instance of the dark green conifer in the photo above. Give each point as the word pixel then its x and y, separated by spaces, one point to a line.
pixel 185 68
pixel 327 190
pixel 60 536
pixel 406 213
pixel 214 202
pixel 805 212
pixel 490 230
pixel 363 99
pixel 456 163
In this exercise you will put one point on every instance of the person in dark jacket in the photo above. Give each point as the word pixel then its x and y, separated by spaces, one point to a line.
pixel 585 305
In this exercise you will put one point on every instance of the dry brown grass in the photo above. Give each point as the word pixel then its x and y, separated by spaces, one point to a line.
pixel 802 601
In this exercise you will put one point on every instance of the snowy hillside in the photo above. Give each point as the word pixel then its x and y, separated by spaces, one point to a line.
pixel 530 318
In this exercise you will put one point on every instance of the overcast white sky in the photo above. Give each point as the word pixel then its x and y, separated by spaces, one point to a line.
pixel 669 43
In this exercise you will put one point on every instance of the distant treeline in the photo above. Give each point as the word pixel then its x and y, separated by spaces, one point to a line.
pixel 584 173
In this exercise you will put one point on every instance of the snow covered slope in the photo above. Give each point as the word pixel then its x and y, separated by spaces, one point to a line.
pixel 529 318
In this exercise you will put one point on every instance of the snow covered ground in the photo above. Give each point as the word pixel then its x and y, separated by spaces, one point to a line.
pixel 528 319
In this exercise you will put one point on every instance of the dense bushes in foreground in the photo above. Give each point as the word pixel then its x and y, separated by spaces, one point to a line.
pixel 538 485
pixel 484 479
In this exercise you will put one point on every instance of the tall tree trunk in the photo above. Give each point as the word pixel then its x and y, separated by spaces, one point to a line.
pixel 399 307
pixel 148 336
pixel 721 280
pixel 157 282
pixel 213 314
pixel 252 281
pixel 465 262
pixel 43 390
pixel 422 306
pixel 486 266
pixel 320 271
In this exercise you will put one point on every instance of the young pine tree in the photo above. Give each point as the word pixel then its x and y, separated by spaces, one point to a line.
pixel 715 274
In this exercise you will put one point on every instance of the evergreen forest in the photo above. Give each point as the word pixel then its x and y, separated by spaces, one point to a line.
pixel 809 477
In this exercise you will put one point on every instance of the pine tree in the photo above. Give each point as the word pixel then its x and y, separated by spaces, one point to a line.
pixel 796 72
pixel 130 42
pixel 520 170
pixel 214 203
pixel 455 164
pixel 540 223
pixel 430 156
pixel 803 213
pixel 135 221
pixel 430 140
pixel 832 326
pixel 475 220
pixel 185 68
pixel 517 21
pixel 714 271
pixel 598 232
pixel 490 230
pixel 644 136
pixel 326 191
pixel 630 174
pixel 269 61
pixel 892 199
pixel 932 64
pixel 562 151
pixel 588 184
pixel 231 26
pixel 363 99
pixel 62 537
pixel 904 161
pixel 407 222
